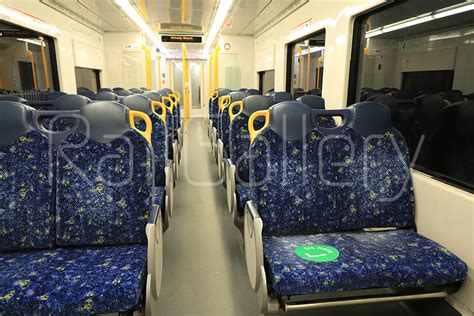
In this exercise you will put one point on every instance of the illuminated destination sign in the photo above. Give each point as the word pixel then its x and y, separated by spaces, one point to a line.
pixel 181 39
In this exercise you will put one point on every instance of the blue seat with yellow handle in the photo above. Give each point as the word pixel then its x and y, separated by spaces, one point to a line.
pixel 95 250
pixel 332 212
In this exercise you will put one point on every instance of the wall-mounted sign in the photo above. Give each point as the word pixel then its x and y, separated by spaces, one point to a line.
pixel 131 46
pixel 181 39
pixel 227 46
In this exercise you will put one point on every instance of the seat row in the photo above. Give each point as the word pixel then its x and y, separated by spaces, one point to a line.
pixel 87 191
pixel 326 211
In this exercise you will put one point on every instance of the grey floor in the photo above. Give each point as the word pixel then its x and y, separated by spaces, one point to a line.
pixel 204 267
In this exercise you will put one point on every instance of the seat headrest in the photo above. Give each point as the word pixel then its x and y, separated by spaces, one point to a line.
pixel 145 89
pixel 13 98
pixel 123 93
pixel 116 89
pixel 252 91
pixel 136 90
pixel 282 96
pixel 223 92
pixel 51 96
pixel 105 90
pixel 237 96
pixel 313 101
pixel 71 102
pixel 165 91
pixel 105 96
pixel 291 120
pixel 370 118
pixel 15 121
pixel 154 96
pixel 104 121
pixel 254 103
pixel 388 100
pixel 459 117
pixel 87 93
pixel 243 89
pixel 137 103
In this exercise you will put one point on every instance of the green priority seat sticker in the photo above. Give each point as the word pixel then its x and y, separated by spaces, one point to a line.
pixel 317 253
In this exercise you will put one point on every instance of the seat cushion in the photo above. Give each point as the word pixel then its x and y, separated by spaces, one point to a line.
pixel 159 194
pixel 390 259
pixel 86 280
pixel 243 195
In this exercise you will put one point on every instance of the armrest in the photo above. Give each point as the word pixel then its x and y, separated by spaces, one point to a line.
pixel 230 184
pixel 220 157
pixel 154 233
pixel 169 185
pixel 175 158
pixel 253 227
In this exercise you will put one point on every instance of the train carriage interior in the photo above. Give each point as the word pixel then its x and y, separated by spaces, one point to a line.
pixel 237 157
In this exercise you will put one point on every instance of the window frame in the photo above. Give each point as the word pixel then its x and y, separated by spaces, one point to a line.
pixel 289 56
pixel 354 68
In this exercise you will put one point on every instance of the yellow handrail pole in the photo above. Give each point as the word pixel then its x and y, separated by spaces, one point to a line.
pixel 158 59
pixel 300 66
pixel 308 68
pixel 203 88
pixel 216 67
pixel 29 54
pixel 148 66
pixel 170 77
pixel 185 82
pixel 45 66
pixel 320 60
pixel 211 58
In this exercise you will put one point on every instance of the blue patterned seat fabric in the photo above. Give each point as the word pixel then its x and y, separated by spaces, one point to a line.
pixel 243 195
pixel 290 193
pixel 72 281
pixel 391 259
pixel 382 197
pixel 103 201
pixel 26 189
pixel 159 196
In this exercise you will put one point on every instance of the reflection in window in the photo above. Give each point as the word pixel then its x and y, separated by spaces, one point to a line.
pixel 266 81
pixel 25 64
pixel 307 65
pixel 418 58
pixel 87 78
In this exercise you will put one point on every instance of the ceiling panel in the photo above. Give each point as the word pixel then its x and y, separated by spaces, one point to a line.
pixel 98 14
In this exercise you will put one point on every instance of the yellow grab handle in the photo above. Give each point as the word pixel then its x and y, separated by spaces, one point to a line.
pixel 174 98
pixel 162 116
pixel 231 109
pixel 137 114
pixel 177 94
pixel 213 95
pixel 164 99
pixel 223 102
pixel 252 132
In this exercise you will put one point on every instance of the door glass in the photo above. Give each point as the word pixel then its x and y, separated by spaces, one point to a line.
pixel 133 69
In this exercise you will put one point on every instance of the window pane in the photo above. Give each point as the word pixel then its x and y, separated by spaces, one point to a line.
pixel 418 58
pixel 307 65
pixel 87 78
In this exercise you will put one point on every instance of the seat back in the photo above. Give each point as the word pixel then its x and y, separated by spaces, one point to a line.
pixel 282 96
pixel 105 90
pixel 159 137
pixel 317 103
pixel 136 90
pixel 252 91
pixel 372 171
pixel 26 188
pixel 104 178
pixel 117 89
pixel 105 96
pixel 239 140
pixel 13 98
pixel 214 110
pixel 87 93
pixel 51 96
pixel 123 93
pixel 170 128
pixel 175 109
pixel 224 119
pixel 287 186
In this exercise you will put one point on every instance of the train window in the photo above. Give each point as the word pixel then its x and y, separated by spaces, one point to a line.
pixel 27 60
pixel 266 81
pixel 88 78
pixel 306 65
pixel 418 58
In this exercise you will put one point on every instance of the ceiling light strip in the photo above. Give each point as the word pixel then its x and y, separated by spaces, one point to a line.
pixel 221 14
pixel 137 19
pixel 420 19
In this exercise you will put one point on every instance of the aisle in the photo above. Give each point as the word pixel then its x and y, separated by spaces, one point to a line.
pixel 204 268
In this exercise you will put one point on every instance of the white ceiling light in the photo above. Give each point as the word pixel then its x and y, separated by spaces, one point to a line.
pixel 222 12
pixel 421 19
pixel 137 19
